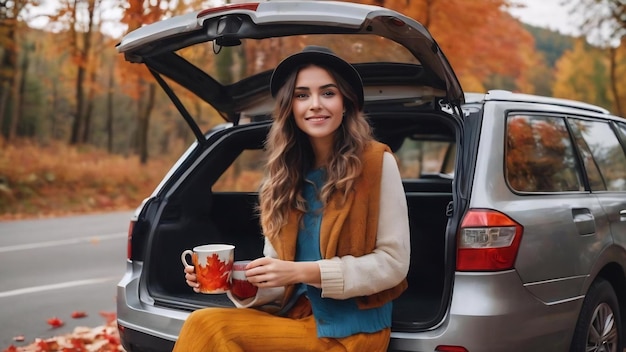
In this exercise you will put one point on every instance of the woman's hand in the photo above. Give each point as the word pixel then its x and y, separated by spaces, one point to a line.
pixel 271 272
pixel 191 279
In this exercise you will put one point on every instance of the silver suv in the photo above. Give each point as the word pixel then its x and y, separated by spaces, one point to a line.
pixel 517 202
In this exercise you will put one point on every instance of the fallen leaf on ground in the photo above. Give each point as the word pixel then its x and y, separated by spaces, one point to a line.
pixel 55 322
pixel 48 345
pixel 78 344
pixel 78 314
pixel 103 338
pixel 109 317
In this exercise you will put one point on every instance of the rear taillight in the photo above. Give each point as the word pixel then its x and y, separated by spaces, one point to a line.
pixel 129 245
pixel 488 241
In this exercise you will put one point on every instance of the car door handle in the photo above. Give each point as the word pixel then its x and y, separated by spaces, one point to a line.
pixel 622 215
pixel 584 221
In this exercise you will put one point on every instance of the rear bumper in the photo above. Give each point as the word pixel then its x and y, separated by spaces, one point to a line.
pixel 489 312
pixel 143 326
pixel 135 341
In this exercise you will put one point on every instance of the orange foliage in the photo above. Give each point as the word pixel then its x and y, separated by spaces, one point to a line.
pixel 479 37
pixel 576 74
pixel 136 14
pixel 56 179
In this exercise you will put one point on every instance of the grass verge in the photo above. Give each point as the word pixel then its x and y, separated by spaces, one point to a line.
pixel 56 179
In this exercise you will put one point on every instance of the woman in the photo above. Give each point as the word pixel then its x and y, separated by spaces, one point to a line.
pixel 335 221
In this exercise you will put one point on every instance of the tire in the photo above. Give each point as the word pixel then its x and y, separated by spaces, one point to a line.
pixel 599 325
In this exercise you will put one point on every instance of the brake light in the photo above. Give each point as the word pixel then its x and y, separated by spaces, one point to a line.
pixel 129 246
pixel 250 6
pixel 445 348
pixel 487 241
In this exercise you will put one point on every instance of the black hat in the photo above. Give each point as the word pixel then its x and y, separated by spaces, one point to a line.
pixel 317 55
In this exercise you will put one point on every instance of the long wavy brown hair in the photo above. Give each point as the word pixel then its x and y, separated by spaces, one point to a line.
pixel 290 155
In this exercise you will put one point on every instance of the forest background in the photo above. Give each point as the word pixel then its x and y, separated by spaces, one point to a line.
pixel 82 130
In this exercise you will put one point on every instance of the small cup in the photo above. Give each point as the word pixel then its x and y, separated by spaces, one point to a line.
pixel 213 264
pixel 240 287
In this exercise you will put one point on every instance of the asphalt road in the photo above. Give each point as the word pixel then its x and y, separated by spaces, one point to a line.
pixel 53 267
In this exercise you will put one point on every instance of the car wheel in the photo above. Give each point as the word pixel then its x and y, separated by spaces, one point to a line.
pixel 599 326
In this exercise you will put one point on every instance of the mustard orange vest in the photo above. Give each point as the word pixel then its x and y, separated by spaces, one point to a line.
pixel 348 229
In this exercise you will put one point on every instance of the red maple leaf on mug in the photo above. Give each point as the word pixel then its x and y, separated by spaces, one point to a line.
pixel 213 276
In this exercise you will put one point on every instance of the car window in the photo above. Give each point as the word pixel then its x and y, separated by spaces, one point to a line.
pixel 420 158
pixel 591 168
pixel 415 159
pixel 244 174
pixel 598 139
pixel 540 156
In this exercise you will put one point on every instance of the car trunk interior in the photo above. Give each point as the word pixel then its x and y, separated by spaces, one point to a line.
pixel 193 214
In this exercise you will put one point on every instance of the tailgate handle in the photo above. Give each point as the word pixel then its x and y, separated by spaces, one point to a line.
pixel 584 221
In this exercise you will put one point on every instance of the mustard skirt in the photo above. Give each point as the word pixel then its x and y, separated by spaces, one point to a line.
pixel 252 330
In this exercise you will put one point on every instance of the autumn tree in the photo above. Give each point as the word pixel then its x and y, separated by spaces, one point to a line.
pixel 50 72
pixel 581 75
pixel 479 37
pixel 137 13
pixel 549 47
pixel 10 75
pixel 79 19
pixel 143 89
pixel 617 70
pixel 604 21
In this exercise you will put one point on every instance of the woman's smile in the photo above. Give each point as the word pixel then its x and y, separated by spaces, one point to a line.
pixel 317 118
pixel 317 104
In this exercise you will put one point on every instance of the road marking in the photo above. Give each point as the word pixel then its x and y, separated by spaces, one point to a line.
pixel 61 285
pixel 92 239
